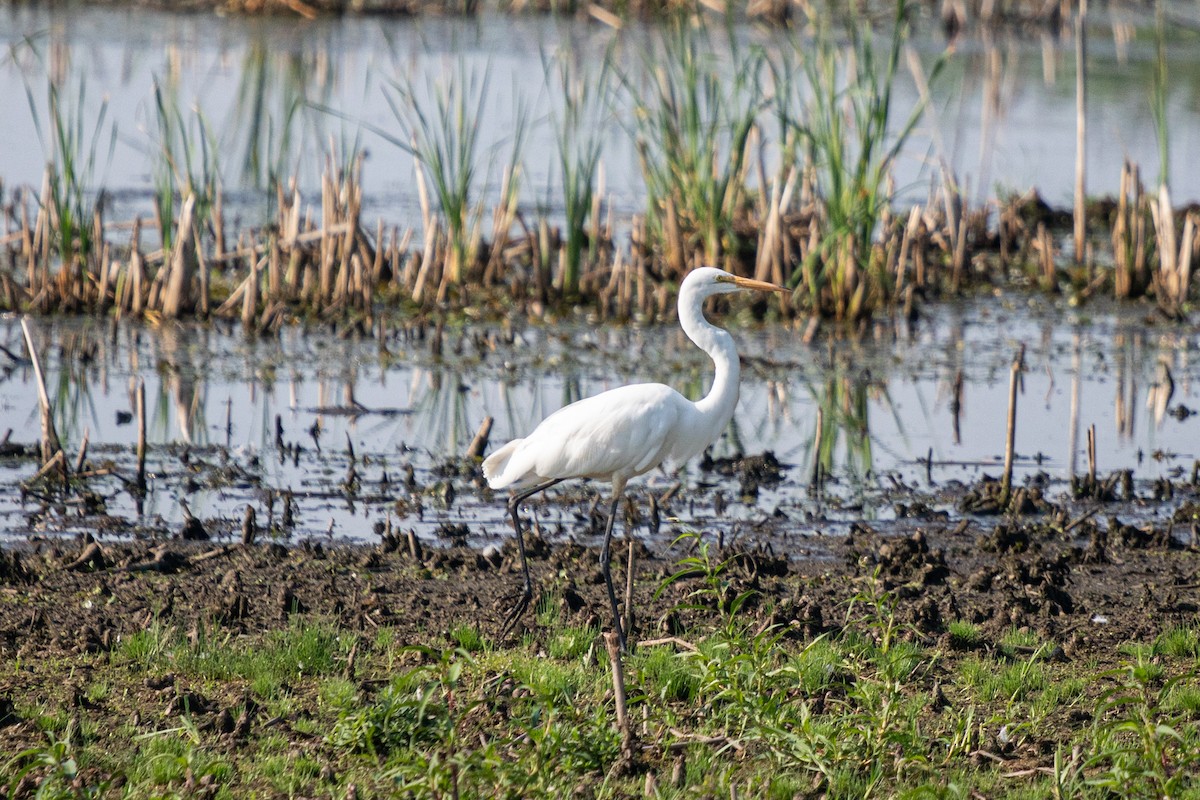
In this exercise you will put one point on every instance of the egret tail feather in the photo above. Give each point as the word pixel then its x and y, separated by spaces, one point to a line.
pixel 495 466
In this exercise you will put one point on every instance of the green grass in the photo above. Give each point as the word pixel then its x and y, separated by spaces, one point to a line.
pixel 964 635
pixel 847 714
pixel 268 667
pixel 992 681
pixel 1182 642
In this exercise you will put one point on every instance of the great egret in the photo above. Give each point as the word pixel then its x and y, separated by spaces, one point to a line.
pixel 628 431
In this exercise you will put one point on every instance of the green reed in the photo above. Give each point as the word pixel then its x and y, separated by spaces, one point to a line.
pixel 438 127
pixel 850 147
pixel 189 163
pixel 692 123
pixel 71 145
pixel 268 129
pixel 578 133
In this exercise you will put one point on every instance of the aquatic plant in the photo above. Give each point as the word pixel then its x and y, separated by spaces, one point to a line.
pixel 189 163
pixel 437 123
pixel 579 105
pixel 846 135
pixel 692 124
pixel 265 136
pixel 71 194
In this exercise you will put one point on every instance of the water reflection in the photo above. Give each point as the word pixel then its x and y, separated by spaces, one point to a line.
pixel 861 413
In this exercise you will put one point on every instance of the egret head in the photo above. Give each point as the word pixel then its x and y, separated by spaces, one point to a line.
pixel 710 281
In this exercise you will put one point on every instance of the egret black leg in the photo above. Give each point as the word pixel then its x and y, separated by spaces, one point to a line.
pixel 605 567
pixel 523 601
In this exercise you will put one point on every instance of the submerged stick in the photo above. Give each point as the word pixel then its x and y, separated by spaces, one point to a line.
pixel 814 480
pixel 1013 383
pixel 480 442
pixel 49 443
pixel 83 448
pixel 1073 436
pixel 141 438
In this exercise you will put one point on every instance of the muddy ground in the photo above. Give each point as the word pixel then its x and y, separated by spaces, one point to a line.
pixel 1077 577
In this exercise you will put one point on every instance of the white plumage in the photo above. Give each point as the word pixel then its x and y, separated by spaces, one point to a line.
pixel 625 432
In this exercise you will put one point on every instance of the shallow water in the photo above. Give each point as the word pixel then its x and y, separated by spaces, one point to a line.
pixel 273 94
pixel 213 398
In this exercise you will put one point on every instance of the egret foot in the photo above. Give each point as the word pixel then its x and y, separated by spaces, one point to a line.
pixel 521 606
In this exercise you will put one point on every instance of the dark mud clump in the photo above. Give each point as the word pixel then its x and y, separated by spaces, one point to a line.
pixel 752 472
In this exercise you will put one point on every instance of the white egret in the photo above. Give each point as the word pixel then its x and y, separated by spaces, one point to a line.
pixel 625 432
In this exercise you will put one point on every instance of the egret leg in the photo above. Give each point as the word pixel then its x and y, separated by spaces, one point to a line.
pixel 605 566
pixel 523 601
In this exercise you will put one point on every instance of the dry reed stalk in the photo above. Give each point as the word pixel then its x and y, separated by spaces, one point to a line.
pixel 49 441
pixel 176 291
pixel 291 230
pixel 250 297
pixel 135 270
pixel 106 267
pixel 41 238
pixel 1045 247
pixel 201 266
pixel 480 442
pixel 274 268
pixel 1139 231
pixel 407 275
pixel 1166 279
pixel 769 266
pixel 427 259
pixel 351 213
pixel 325 281
pixel 674 256
pixel 1122 255
pixel 598 232
pixel 95 261
pixel 1187 251
pixel 906 241
pixel 218 218
pixel 377 261
pixel 1091 454
pixel 502 221
pixel 960 249
pixel 29 251
pixel 57 462
pixel 1080 218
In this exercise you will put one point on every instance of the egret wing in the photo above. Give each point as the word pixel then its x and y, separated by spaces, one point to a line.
pixel 622 431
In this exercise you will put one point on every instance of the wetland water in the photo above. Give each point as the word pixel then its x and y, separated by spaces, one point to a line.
pixel 274 93
pixel 886 404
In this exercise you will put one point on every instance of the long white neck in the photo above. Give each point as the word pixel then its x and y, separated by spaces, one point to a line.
pixel 716 408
